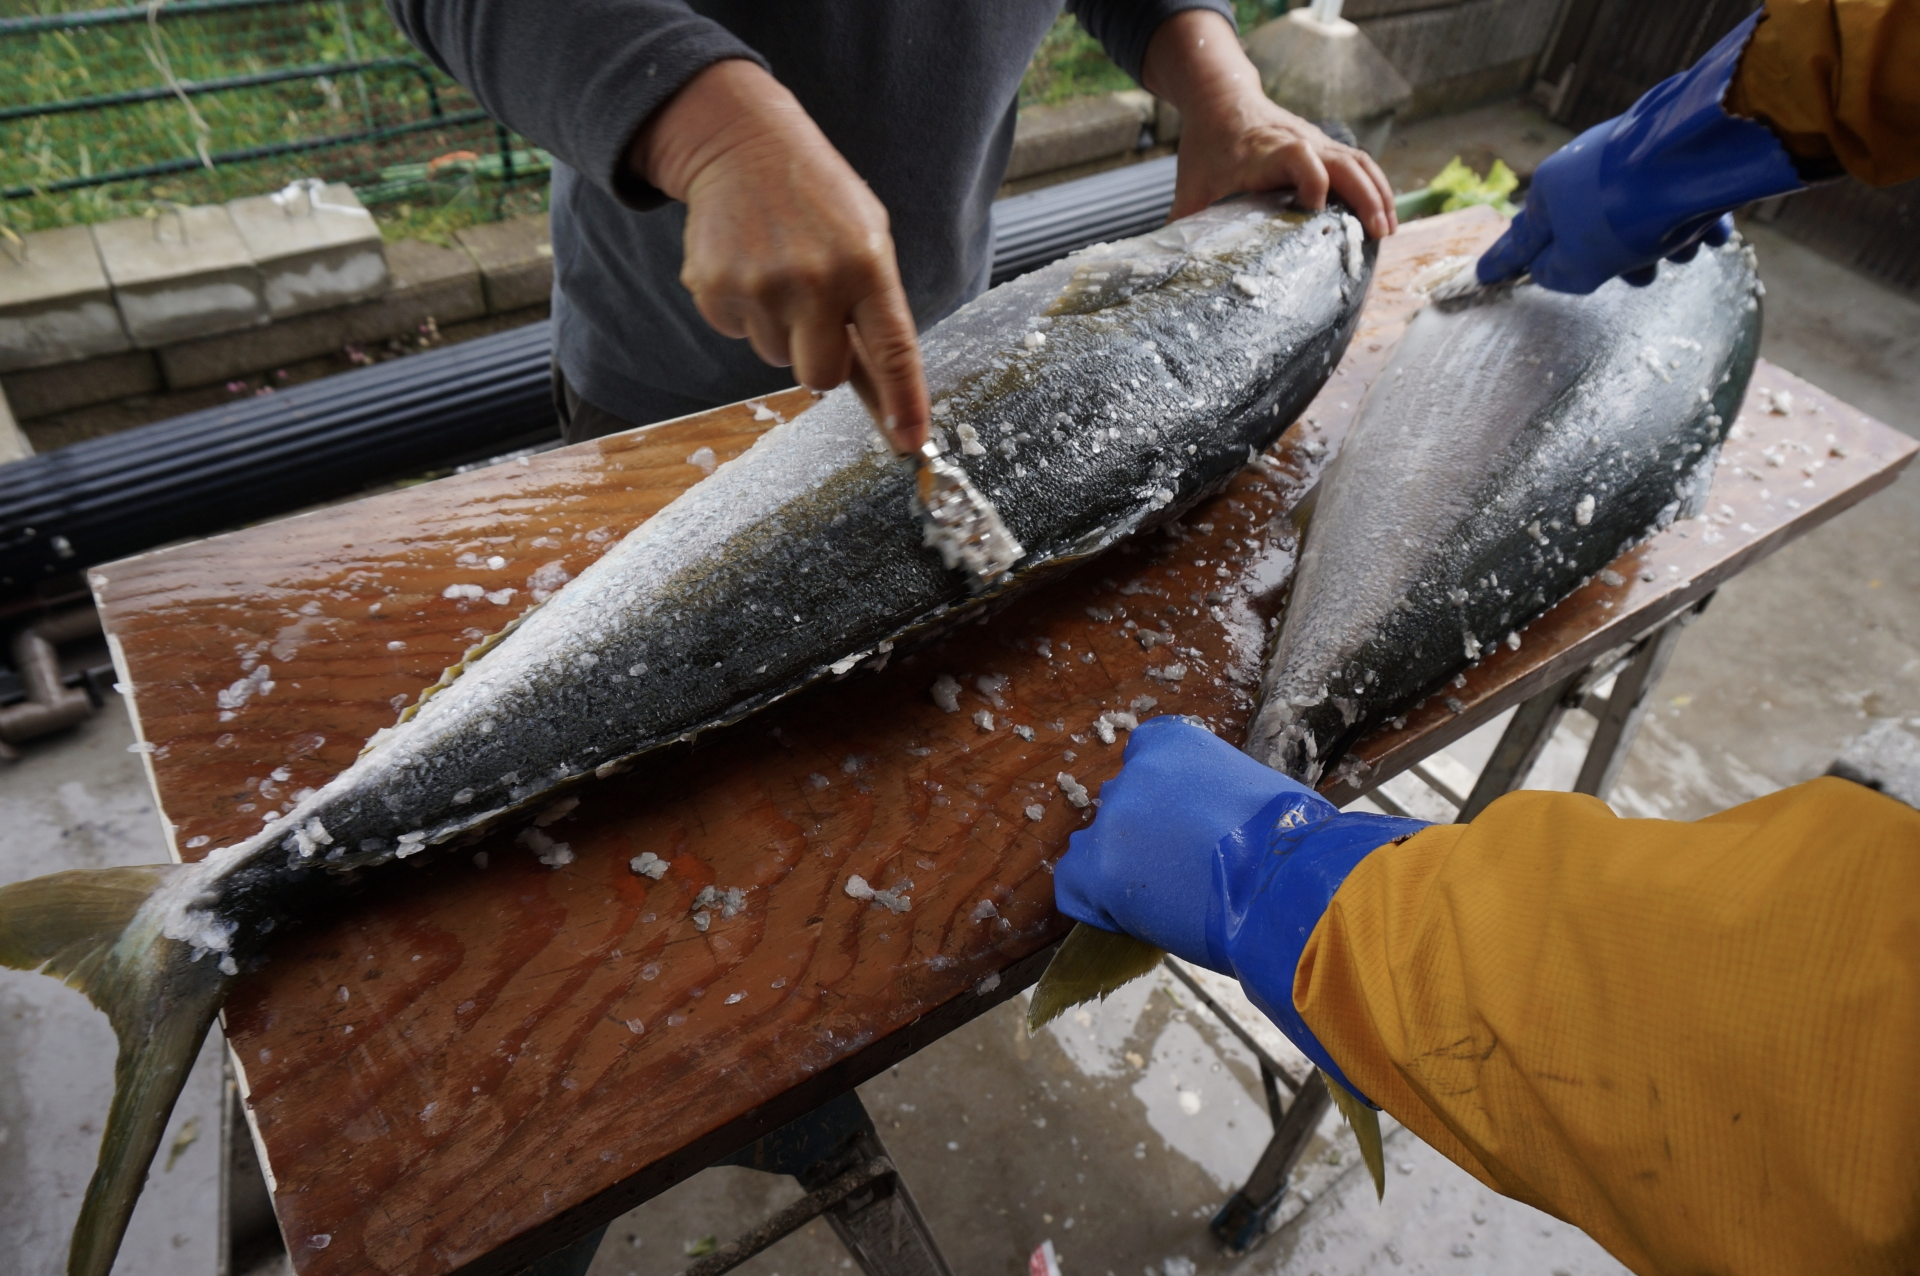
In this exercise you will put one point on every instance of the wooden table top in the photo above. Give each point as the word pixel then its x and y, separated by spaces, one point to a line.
pixel 474 1065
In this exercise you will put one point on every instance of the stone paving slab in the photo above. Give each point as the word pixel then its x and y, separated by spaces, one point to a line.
pixel 55 303
pixel 315 250
pixel 427 283
pixel 515 259
pixel 184 274
pixel 1077 131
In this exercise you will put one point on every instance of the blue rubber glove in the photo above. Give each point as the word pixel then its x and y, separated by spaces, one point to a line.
pixel 1656 182
pixel 1223 862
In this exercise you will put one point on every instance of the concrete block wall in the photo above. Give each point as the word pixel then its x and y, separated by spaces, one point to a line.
pixel 1458 53
pixel 183 274
pixel 314 246
pixel 55 302
pixel 100 314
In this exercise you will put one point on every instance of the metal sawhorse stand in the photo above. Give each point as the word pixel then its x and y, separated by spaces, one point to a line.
pixel 1635 668
pixel 836 1154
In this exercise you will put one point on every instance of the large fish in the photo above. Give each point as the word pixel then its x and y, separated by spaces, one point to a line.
pixel 1509 451
pixel 1089 399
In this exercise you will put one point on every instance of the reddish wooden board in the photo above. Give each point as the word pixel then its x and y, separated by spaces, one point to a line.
pixel 475 1064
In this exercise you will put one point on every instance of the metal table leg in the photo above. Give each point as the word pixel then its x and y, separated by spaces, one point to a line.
pixel 1520 746
pixel 1626 706
pixel 1242 1222
pixel 837 1155
pixel 571 1261
pixel 1635 674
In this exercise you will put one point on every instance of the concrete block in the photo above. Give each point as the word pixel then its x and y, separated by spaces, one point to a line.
pixel 1077 131
pixel 515 259
pixel 1475 44
pixel 183 274
pixel 13 443
pixel 1329 70
pixel 315 247
pixel 39 392
pixel 55 304
pixel 448 276
pixel 427 282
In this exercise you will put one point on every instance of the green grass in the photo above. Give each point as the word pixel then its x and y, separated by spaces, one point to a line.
pixel 64 65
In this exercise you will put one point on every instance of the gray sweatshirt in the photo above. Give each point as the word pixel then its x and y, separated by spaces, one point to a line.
pixel 918 95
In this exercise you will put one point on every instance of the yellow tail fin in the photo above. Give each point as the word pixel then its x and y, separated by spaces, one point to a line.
pixel 1091 963
pixel 86 928
pixel 1366 1128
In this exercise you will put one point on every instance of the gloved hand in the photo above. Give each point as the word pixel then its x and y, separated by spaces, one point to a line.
pixel 1223 862
pixel 1656 182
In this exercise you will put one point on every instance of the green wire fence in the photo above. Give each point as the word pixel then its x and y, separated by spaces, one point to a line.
pixel 106 110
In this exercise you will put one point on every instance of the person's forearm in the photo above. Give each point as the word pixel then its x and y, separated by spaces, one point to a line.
pixel 1694 1041
pixel 730 105
pixel 1838 82
pixel 1195 62
pixel 785 245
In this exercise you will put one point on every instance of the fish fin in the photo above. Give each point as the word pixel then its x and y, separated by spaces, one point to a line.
pixel 1091 963
pixel 1365 1123
pixel 451 674
pixel 85 928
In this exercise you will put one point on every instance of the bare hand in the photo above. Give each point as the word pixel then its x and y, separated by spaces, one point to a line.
pixel 785 245
pixel 1234 139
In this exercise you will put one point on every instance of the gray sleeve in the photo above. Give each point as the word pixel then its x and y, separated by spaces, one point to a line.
pixel 1124 27
pixel 578 77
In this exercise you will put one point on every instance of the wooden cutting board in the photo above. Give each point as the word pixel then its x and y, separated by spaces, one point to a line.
pixel 487 1057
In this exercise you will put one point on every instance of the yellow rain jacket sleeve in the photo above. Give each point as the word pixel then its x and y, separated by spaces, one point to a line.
pixel 1838 80
pixel 1699 1043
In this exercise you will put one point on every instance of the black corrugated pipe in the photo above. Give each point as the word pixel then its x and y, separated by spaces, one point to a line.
pixel 67 510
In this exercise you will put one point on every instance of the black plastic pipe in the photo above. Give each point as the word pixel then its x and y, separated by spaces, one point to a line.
pixel 67 510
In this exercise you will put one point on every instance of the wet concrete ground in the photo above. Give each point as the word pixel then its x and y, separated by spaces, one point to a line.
pixel 1116 1135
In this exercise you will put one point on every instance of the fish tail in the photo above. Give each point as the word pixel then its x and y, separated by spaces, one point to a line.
pixel 1365 1123
pixel 88 929
pixel 1090 963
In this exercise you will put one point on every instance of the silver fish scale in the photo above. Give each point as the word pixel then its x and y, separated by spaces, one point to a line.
pixel 1509 450
pixel 808 550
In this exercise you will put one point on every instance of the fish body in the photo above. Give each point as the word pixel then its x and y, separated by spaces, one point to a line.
pixel 1087 400
pixel 1508 451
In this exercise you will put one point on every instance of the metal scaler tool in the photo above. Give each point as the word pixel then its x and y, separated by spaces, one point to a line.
pixel 1464 289
pixel 962 523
